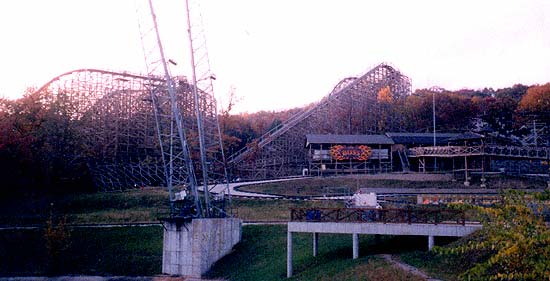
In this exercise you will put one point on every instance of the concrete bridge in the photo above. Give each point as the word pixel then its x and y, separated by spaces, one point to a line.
pixel 355 221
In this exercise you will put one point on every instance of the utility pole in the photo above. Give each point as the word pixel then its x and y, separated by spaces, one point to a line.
pixel 433 117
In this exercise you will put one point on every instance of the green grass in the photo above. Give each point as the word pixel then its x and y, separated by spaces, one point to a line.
pixel 147 205
pixel 318 186
pixel 275 210
pixel 434 265
pixel 129 206
pixel 97 251
pixel 262 256
pixel 446 267
pixel 134 206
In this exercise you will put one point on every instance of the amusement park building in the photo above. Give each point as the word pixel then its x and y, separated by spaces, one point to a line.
pixel 331 154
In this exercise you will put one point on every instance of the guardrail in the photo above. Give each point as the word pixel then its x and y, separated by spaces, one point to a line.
pixel 409 216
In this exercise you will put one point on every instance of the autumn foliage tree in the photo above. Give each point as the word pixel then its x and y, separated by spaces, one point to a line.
pixel 42 142
pixel 39 143
pixel 536 102
pixel 514 243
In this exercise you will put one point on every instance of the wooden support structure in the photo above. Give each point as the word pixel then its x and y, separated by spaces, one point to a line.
pixel 350 108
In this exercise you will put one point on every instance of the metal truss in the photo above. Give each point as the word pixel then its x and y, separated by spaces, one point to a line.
pixel 114 117
pixel 538 135
pixel 352 107
pixel 188 148
pixel 525 152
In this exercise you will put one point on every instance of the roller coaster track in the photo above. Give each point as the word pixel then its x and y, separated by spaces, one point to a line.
pixel 374 79
pixel 124 76
pixel 114 118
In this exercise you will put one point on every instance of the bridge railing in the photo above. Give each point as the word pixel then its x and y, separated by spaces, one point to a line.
pixel 409 216
pixel 445 150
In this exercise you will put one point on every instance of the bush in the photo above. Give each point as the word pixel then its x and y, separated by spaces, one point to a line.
pixel 513 244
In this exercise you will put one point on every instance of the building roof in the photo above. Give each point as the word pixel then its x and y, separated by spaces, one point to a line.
pixel 421 138
pixel 467 136
pixel 348 139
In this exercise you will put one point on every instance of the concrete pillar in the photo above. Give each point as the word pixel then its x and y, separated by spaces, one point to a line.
pixel 355 245
pixel 288 254
pixel 430 242
pixel 315 243
pixel 191 247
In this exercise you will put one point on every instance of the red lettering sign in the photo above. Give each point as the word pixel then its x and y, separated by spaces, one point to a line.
pixel 359 153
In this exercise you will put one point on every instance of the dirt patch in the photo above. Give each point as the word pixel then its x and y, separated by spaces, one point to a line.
pixel 408 268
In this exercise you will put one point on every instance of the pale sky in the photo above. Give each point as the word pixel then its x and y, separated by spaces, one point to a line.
pixel 286 53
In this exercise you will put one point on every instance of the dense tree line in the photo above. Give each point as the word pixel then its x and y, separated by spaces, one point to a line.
pixel 41 144
pixel 503 112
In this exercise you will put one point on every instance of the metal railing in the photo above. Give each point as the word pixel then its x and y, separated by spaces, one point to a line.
pixel 529 152
pixel 373 215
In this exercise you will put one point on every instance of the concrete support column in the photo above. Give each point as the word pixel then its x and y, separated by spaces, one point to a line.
pixel 315 243
pixel 288 254
pixel 430 242
pixel 355 237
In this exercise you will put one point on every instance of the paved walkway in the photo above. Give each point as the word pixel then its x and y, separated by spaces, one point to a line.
pixel 222 188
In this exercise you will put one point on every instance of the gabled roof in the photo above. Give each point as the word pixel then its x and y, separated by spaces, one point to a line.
pixel 348 139
pixel 421 138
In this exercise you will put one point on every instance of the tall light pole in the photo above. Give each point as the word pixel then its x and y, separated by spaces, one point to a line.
pixel 434 90
pixel 433 114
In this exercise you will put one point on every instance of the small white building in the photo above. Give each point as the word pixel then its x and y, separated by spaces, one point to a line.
pixel 363 199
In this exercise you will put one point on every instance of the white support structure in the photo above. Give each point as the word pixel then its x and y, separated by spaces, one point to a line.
pixel 315 244
pixel 289 254
pixel 355 238
pixel 424 229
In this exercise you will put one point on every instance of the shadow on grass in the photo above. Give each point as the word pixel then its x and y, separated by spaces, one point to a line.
pixel 126 251
pixel 261 255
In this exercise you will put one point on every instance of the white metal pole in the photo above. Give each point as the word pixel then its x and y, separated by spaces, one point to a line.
pixel 433 117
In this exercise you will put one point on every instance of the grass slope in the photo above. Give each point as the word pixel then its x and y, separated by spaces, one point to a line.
pixel 262 256
pixel 316 186
pixel 131 206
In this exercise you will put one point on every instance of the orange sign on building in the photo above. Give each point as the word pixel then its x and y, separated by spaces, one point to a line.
pixel 358 153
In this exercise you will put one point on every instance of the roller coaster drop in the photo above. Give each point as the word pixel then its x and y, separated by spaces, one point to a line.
pixel 354 106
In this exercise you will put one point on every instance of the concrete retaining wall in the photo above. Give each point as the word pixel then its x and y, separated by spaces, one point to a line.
pixel 191 247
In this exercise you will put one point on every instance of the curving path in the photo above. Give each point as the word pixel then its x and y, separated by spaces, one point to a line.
pixel 222 188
